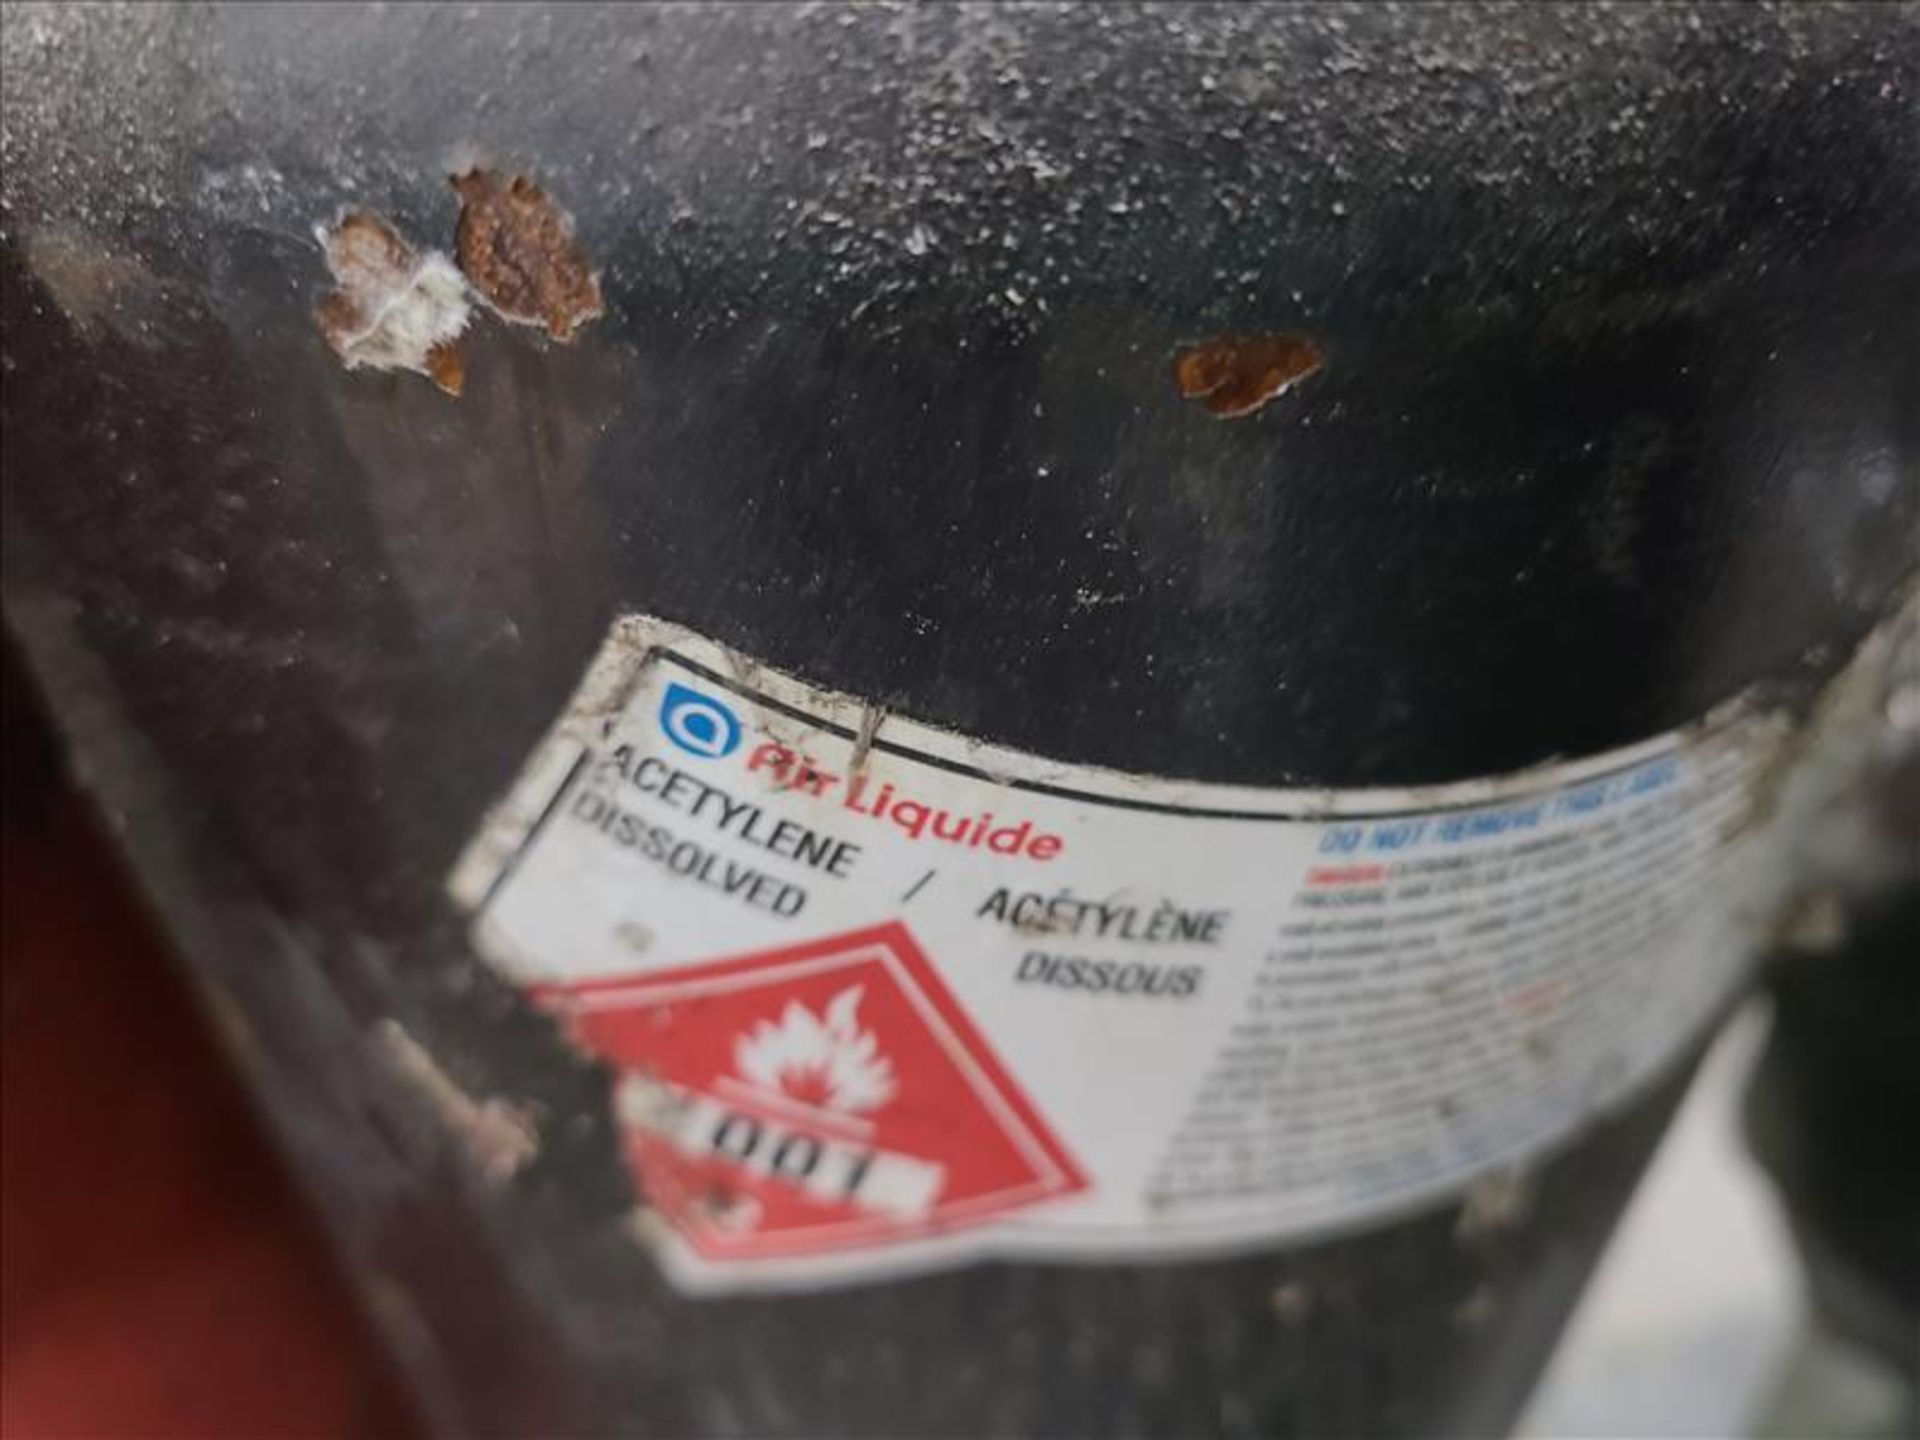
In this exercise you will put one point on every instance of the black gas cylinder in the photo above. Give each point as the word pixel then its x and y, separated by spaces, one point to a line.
pixel 1394 500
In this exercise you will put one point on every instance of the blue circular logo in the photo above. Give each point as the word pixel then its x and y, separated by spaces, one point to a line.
pixel 698 724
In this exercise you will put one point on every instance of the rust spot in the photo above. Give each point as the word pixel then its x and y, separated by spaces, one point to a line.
pixel 446 368
pixel 1235 375
pixel 392 308
pixel 517 249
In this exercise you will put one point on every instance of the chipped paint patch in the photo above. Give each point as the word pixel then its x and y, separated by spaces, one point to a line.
pixel 394 307
pixel 499 1134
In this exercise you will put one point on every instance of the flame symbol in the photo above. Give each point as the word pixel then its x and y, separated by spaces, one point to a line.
pixel 828 1062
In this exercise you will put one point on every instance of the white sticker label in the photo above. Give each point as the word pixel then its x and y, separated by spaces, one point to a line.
pixel 882 997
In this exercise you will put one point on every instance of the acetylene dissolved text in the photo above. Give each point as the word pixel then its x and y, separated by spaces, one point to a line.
pixel 743 820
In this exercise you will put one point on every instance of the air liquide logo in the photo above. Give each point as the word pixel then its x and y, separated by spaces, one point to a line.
pixel 698 724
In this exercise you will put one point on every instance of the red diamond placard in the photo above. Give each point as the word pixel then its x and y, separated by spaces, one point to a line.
pixel 822 1097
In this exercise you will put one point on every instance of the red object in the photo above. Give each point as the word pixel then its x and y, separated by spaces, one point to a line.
pixel 160 1278
pixel 816 1097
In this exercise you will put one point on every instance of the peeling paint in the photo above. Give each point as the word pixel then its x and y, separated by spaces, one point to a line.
pixel 394 307
pixel 499 1134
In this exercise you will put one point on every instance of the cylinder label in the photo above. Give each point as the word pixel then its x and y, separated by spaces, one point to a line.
pixel 881 997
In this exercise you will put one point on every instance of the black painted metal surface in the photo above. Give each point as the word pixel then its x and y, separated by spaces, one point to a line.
pixel 1621 415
